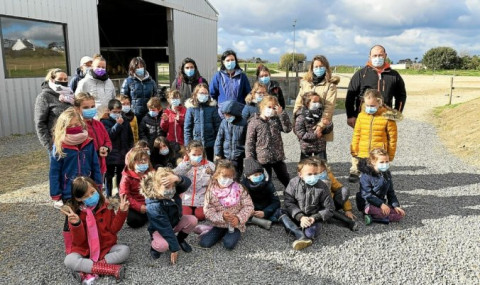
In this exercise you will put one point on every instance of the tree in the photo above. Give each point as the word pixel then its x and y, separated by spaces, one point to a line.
pixel 441 58
pixel 286 60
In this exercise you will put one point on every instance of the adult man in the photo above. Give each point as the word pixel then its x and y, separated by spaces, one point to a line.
pixel 85 64
pixel 377 74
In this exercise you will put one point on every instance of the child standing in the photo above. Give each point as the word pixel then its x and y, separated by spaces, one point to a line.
pixel 227 206
pixel 137 167
pixel 264 139
pixel 256 96
pixel 129 115
pixel 164 153
pixel 374 128
pixel 150 125
pixel 162 191
pixel 311 140
pixel 230 142
pixel 263 194
pixel 307 203
pixel 377 197
pixel 173 118
pixel 94 226
pixel 202 120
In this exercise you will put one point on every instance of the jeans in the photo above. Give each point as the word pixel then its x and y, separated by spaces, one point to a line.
pixel 230 240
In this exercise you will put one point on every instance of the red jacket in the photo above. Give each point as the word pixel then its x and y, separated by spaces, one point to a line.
pixel 173 127
pixel 108 225
pixel 100 137
pixel 130 185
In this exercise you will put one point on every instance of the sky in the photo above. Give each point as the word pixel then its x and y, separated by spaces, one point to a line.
pixel 39 33
pixel 345 30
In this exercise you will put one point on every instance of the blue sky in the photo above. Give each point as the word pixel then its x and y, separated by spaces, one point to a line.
pixel 344 30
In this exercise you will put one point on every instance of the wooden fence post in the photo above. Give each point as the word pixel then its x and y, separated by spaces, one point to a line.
pixel 451 91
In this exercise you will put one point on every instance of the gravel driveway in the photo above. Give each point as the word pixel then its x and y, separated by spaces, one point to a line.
pixel 436 243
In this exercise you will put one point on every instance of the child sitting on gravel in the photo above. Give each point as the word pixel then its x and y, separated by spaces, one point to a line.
pixel 227 206
pixel 162 189
pixel 377 198
pixel 94 226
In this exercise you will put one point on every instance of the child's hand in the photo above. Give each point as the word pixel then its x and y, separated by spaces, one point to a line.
pixel 325 121
pixel 186 158
pixel 72 217
pixel 400 211
pixel 227 216
pixel 119 120
pixel 318 132
pixel 235 221
pixel 259 214
pixel 217 157
pixel 351 122
pixel 124 204
pixel 143 209
pixel 385 209
pixel 278 109
pixel 103 151
pixel 170 180
pixel 350 215
pixel 174 257
pixel 164 117
pixel 305 222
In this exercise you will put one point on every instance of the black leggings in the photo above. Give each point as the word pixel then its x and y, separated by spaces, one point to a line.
pixel 280 169
pixel 136 219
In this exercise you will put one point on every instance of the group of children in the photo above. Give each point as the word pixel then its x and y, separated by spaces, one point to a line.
pixel 189 165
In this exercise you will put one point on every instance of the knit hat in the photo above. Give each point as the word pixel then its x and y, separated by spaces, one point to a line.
pixel 251 166
pixel 85 59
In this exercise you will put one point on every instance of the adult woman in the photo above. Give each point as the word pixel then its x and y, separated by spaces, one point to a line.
pixel 229 83
pixel 187 79
pixel 97 82
pixel 140 86
pixel 273 87
pixel 55 98
pixel 320 80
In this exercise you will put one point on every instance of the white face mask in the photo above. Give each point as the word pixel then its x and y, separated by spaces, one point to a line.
pixel 378 61
pixel 268 112
pixel 314 106
pixel 225 182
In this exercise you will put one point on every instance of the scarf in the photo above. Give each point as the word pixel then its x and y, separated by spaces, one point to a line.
pixel 228 196
pixel 92 234
pixel 95 76
pixel 76 139
pixel 66 94
pixel 312 116
pixel 317 80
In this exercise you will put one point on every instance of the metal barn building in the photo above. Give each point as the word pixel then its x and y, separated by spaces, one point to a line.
pixel 41 34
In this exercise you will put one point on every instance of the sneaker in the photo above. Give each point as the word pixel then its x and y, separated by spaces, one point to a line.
pixel 300 244
pixel 354 226
pixel 368 220
pixel 154 254
pixel 353 178
pixel 185 246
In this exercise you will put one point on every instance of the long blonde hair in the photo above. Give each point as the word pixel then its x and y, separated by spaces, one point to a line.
pixel 60 129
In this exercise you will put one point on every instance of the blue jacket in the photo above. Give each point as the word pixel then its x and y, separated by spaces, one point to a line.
pixel 140 91
pixel 230 142
pixel 121 137
pixel 164 214
pixel 78 161
pixel 264 195
pixel 223 87
pixel 376 188
pixel 201 122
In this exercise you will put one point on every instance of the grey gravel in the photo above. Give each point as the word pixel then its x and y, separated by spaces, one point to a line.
pixel 437 242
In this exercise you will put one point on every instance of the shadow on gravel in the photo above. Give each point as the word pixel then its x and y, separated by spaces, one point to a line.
pixel 406 182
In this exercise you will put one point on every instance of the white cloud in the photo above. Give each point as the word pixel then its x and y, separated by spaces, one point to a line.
pixel 258 51
pixel 274 50
pixel 240 46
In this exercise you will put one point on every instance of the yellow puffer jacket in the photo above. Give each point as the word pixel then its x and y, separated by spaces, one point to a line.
pixel 134 126
pixel 374 131
pixel 335 186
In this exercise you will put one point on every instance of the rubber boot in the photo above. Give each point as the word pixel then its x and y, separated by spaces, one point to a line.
pixel 181 236
pixel 67 240
pixel 369 220
pixel 103 268
pixel 266 224
pixel 352 225
pixel 302 241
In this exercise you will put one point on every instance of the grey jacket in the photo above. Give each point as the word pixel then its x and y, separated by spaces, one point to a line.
pixel 103 91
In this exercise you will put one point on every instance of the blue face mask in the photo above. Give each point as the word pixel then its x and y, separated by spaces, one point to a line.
pixel 114 116
pixel 89 113
pixel 371 110
pixel 319 71
pixel 140 72
pixel 230 65
pixel 202 98
pixel 164 151
pixel 126 108
pixel 92 201
pixel 383 166
pixel 311 179
pixel 259 99
pixel 175 102
pixel 378 61
pixel 264 80
pixel 230 119
pixel 323 175
pixel 189 72
pixel 257 179
pixel 141 167
pixel 196 158
pixel 153 113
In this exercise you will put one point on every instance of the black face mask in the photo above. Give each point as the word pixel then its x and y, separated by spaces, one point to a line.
pixel 64 84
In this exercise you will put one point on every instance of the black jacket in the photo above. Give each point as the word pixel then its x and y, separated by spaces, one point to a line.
pixel 275 90
pixel 264 196
pixel 150 128
pixel 389 83
pixel 122 139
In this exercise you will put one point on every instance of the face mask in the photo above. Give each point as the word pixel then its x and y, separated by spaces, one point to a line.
pixel 89 113
pixel 311 179
pixel 114 116
pixel 74 130
pixel 164 151
pixel 259 99
pixel 169 193
pixel 323 175
pixel 383 166
pixel 319 71
pixel 64 84
pixel 100 71
pixel 92 201
pixel 189 72
pixel 264 80
pixel 230 65
pixel 141 167
pixel 314 106
pixel 153 113
pixel 196 158
pixel 268 112
pixel 371 110
pixel 175 102
pixel 126 108
pixel 148 152
pixel 378 61
pixel 230 119
pixel 257 179
pixel 202 97
pixel 225 182
pixel 140 71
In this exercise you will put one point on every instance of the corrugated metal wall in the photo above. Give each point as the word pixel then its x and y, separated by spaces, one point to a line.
pixel 17 96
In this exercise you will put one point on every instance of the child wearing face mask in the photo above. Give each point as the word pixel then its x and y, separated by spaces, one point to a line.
pixel 273 87
pixel 264 138
pixel 121 136
pixel 227 206
pixel 252 100
pixel 263 194
pixel 307 203
pixel 164 154
pixel 377 199
pixel 137 167
pixel 150 126
pixel 129 115
pixel 375 127
pixel 94 226
pixel 173 118
pixel 73 154
pixel 202 120
pixel 230 142
pixel 312 142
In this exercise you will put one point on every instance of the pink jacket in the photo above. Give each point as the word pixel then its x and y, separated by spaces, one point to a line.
pixel 200 177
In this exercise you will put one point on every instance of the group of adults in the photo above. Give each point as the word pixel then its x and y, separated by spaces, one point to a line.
pixel 229 83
